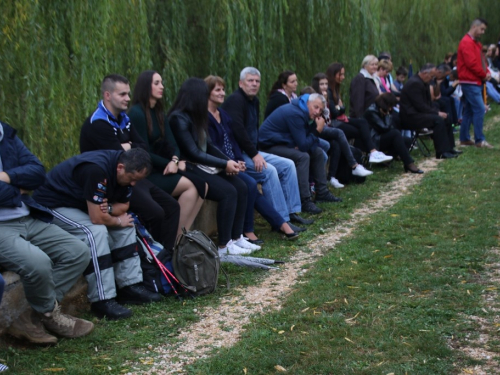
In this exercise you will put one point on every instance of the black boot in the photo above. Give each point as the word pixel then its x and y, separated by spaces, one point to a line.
pixel 137 294
pixel 110 309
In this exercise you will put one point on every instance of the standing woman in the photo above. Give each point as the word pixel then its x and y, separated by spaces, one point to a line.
pixel 169 171
pixel 282 92
pixel 356 128
pixel 189 120
pixel 221 134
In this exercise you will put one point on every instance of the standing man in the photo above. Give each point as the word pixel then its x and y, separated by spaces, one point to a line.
pixel 292 131
pixel 473 73
pixel 418 112
pixel 48 259
pixel 80 192
pixel 109 128
pixel 276 174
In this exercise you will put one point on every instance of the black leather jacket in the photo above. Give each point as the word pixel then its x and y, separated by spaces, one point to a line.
pixel 187 140
pixel 379 124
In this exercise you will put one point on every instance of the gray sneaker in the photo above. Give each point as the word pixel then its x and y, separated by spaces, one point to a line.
pixel 66 325
pixel 29 326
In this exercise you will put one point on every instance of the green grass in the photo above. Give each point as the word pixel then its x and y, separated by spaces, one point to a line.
pixel 406 279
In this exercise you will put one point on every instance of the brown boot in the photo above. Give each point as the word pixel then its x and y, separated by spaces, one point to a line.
pixel 66 325
pixel 29 326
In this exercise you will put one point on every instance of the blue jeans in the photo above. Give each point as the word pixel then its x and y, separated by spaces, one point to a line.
pixel 279 183
pixel 473 104
pixel 492 92
pixel 255 200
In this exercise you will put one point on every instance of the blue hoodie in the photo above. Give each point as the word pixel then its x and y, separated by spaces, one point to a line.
pixel 291 126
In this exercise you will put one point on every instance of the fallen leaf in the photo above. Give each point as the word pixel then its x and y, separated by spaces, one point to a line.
pixel 348 339
pixel 388 256
pixel 307 308
pixel 281 332
pixel 245 370
pixel 394 215
pixel 354 317
pixel 291 328
pixel 280 368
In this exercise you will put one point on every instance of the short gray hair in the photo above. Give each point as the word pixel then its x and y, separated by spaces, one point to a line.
pixel 249 70
pixel 315 96
pixel 368 59
pixel 478 22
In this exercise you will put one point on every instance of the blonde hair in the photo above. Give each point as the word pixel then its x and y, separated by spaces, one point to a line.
pixel 385 64
pixel 368 59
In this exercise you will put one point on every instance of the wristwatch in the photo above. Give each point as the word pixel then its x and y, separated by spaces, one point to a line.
pixel 176 161
pixel 110 209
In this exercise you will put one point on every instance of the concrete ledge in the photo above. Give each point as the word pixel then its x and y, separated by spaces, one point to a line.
pixel 206 220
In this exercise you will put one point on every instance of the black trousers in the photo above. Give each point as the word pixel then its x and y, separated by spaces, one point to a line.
pixel 230 192
pixel 359 129
pixel 443 132
pixel 393 142
pixel 305 164
pixel 157 210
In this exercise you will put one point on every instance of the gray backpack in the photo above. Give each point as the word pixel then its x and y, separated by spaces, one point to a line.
pixel 196 262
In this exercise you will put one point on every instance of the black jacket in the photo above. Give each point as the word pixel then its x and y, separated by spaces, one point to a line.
pixel 416 98
pixel 187 140
pixel 379 124
pixel 237 106
pixel 363 94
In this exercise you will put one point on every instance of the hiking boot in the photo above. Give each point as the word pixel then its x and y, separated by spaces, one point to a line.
pixel 29 326
pixel 110 309
pixel 66 325
pixel 136 294
pixel 309 207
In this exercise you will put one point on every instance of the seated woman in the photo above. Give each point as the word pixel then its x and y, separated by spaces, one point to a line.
pixel 188 118
pixel 169 171
pixel 383 70
pixel 219 129
pixel 383 132
pixel 356 128
pixel 282 92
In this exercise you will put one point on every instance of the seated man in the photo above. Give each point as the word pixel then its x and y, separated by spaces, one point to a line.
pixel 269 170
pixel 48 259
pixel 79 191
pixel 292 132
pixel 417 112
pixel 109 128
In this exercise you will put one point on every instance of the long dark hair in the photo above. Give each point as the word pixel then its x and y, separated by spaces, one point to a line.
pixel 142 94
pixel 315 82
pixel 192 99
pixel 331 72
pixel 282 80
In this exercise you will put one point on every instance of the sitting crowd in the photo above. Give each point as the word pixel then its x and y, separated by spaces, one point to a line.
pixel 162 165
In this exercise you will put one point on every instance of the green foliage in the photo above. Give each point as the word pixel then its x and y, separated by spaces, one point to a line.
pixel 55 53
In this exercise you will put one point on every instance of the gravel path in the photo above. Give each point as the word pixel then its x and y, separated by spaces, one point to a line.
pixel 221 326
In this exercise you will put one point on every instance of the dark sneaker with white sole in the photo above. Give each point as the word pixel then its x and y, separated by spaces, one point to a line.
pixel 110 309
pixel 136 294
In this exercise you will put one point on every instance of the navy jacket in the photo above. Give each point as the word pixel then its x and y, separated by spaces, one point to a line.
pixel 217 134
pixel 289 125
pixel 25 171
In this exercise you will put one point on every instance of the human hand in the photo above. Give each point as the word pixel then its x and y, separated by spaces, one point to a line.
pixel 488 77
pixel 4 177
pixel 182 165
pixel 126 146
pixel 104 206
pixel 259 162
pixel 171 168
pixel 242 166
pixel 232 168
pixel 443 114
pixel 320 124
pixel 126 220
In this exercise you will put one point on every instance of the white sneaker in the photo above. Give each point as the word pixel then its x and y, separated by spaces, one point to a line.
pixel 233 249
pixel 335 183
pixel 379 157
pixel 361 171
pixel 244 244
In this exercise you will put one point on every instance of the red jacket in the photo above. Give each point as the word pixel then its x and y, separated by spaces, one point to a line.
pixel 470 61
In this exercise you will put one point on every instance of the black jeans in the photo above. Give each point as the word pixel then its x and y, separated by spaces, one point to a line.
pixel 230 192
pixel 443 132
pixel 157 210
pixel 393 142
pixel 338 146
pixel 359 129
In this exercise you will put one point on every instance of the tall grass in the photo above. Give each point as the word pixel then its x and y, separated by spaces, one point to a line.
pixel 54 53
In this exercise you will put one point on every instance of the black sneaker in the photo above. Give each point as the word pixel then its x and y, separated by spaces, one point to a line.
pixel 328 197
pixel 309 207
pixel 137 294
pixel 110 309
pixel 295 218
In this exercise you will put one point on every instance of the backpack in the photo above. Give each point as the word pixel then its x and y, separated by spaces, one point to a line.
pixel 196 262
